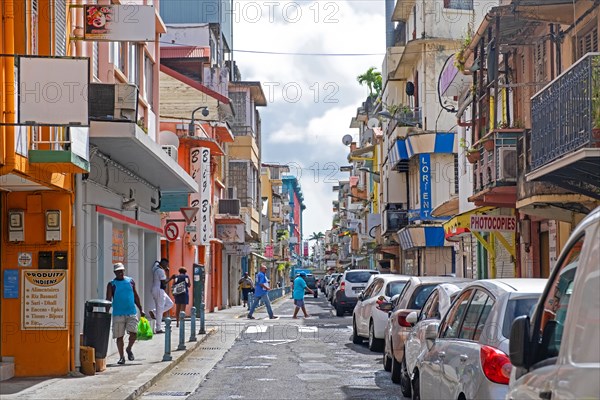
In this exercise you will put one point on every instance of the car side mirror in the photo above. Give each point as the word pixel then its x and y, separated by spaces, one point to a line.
pixel 519 345
pixel 412 317
pixel 361 296
pixel 431 334
pixel 384 306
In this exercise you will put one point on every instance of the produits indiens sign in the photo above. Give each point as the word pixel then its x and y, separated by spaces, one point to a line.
pixel 200 171
pixel 44 306
pixel 491 223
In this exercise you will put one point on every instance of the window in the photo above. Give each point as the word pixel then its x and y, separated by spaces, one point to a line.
pixel 420 296
pixel 451 324
pixel 516 308
pixel 377 285
pixel 369 290
pixel 557 302
pixel 60 27
pixel 431 307
pixel 476 315
pixel 394 288
pixel 587 40
pixel 132 65
pixel 459 4
pixel 359 276
pixel 148 80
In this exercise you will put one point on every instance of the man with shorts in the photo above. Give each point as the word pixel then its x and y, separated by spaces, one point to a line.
pixel 121 291
pixel 298 295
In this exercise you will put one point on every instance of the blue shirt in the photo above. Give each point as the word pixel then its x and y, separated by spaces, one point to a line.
pixel 261 278
pixel 299 286
pixel 123 302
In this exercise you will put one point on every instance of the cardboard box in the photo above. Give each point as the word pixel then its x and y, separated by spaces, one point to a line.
pixel 87 358
pixel 100 364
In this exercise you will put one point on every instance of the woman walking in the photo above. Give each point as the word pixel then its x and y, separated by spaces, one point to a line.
pixel 180 290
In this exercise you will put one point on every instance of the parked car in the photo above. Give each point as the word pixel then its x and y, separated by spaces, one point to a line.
pixel 352 283
pixel 333 283
pixel 311 283
pixel 556 352
pixel 435 307
pixel 323 283
pixel 412 298
pixel 467 353
pixel 368 319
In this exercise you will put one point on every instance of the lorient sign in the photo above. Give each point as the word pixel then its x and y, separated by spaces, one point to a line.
pixel 425 185
pixel 490 223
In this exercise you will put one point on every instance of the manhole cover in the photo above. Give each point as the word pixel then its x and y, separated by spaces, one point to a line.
pixel 186 373
pixel 167 394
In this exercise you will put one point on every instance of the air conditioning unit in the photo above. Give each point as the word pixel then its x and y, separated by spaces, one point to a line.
pixel 170 150
pixel 507 164
pixel 232 193
pixel 112 102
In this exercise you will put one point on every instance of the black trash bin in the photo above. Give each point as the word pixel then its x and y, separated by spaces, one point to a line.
pixel 96 326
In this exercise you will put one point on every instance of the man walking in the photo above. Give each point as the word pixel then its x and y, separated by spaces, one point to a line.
pixel 162 301
pixel 121 291
pixel 298 295
pixel 261 291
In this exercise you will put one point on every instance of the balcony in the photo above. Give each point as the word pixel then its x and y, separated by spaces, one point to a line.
pixel 394 220
pixel 495 174
pixel 65 149
pixel 240 130
pixel 565 134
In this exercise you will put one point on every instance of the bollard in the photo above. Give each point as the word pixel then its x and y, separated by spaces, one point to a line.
pixel 250 299
pixel 167 355
pixel 202 330
pixel 193 323
pixel 181 331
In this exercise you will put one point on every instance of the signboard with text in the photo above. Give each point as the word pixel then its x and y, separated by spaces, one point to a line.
pixel 44 305
pixel 425 185
pixel 120 23
pixel 491 223
pixel 231 233
pixel 200 171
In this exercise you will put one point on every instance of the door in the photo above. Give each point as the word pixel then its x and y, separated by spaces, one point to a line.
pixel 361 310
pixel 544 254
pixel 370 302
pixel 430 377
pixel 541 381
pixel 461 366
pixel 416 338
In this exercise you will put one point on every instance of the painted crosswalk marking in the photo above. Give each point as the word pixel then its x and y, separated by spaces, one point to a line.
pixel 257 329
pixel 308 329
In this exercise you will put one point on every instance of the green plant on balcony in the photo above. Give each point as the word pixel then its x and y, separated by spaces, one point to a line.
pixel 596 96
pixel 459 59
pixel 140 123
pixel 473 155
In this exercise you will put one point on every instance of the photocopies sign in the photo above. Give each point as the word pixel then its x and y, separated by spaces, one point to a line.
pixel 491 223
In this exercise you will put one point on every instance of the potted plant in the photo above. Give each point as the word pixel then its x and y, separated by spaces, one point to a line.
pixel 489 144
pixel 473 155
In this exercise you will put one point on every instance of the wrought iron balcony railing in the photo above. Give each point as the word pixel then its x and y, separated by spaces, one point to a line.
pixel 566 113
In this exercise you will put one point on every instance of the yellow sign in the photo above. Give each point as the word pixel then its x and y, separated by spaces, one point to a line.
pixel 44 303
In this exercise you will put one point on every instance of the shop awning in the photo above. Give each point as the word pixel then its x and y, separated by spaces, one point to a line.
pixel 421 236
pixel 458 226
pixel 127 144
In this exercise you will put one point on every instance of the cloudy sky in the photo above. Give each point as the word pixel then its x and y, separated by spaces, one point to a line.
pixel 311 98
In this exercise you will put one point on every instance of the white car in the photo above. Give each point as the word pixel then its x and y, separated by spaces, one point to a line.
pixel 436 306
pixel 352 283
pixel 556 353
pixel 467 355
pixel 368 320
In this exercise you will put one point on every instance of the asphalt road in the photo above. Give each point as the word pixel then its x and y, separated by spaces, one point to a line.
pixel 310 358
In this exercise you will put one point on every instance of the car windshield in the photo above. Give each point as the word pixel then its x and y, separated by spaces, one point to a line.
pixel 420 296
pixel 359 276
pixel 309 279
pixel 515 308
pixel 394 288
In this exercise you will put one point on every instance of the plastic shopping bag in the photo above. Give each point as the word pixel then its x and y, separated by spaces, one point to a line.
pixel 144 329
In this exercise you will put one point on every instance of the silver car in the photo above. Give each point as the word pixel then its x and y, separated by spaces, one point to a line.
pixel 467 355
pixel 437 305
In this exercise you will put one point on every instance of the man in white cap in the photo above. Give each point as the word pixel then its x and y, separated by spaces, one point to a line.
pixel 162 301
pixel 121 291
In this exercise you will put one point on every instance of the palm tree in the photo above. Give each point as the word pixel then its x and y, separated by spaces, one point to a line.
pixel 372 79
pixel 316 236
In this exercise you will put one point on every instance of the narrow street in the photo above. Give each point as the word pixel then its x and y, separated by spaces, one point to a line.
pixel 310 358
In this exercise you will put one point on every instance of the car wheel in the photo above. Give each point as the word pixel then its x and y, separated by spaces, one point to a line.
pixel 339 311
pixel 387 362
pixel 374 343
pixel 416 389
pixel 355 338
pixel 404 378
pixel 396 370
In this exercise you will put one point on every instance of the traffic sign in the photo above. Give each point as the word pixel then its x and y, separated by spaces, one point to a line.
pixel 189 213
pixel 190 228
pixel 171 231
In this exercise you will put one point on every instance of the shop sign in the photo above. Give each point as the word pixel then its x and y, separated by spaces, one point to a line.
pixel 44 305
pixel 425 185
pixel 120 23
pixel 200 171
pixel 231 233
pixel 493 223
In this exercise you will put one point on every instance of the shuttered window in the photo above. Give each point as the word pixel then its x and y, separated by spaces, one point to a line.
pixel 587 41
pixel 60 27
pixel 148 80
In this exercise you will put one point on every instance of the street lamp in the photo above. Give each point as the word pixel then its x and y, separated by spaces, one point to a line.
pixel 376 176
pixel 192 125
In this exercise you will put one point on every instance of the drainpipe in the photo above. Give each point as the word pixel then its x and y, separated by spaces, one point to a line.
pixel 389 24
pixel 9 73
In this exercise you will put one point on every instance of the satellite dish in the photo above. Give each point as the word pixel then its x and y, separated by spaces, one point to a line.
pixel 373 123
pixel 168 138
pixel 347 140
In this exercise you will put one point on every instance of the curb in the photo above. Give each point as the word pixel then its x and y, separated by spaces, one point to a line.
pixel 172 364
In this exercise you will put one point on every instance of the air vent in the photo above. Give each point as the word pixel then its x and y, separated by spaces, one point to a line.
pixel 116 102
pixel 171 151
pixel 229 206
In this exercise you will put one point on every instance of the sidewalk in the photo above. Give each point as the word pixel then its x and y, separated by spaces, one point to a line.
pixel 127 381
